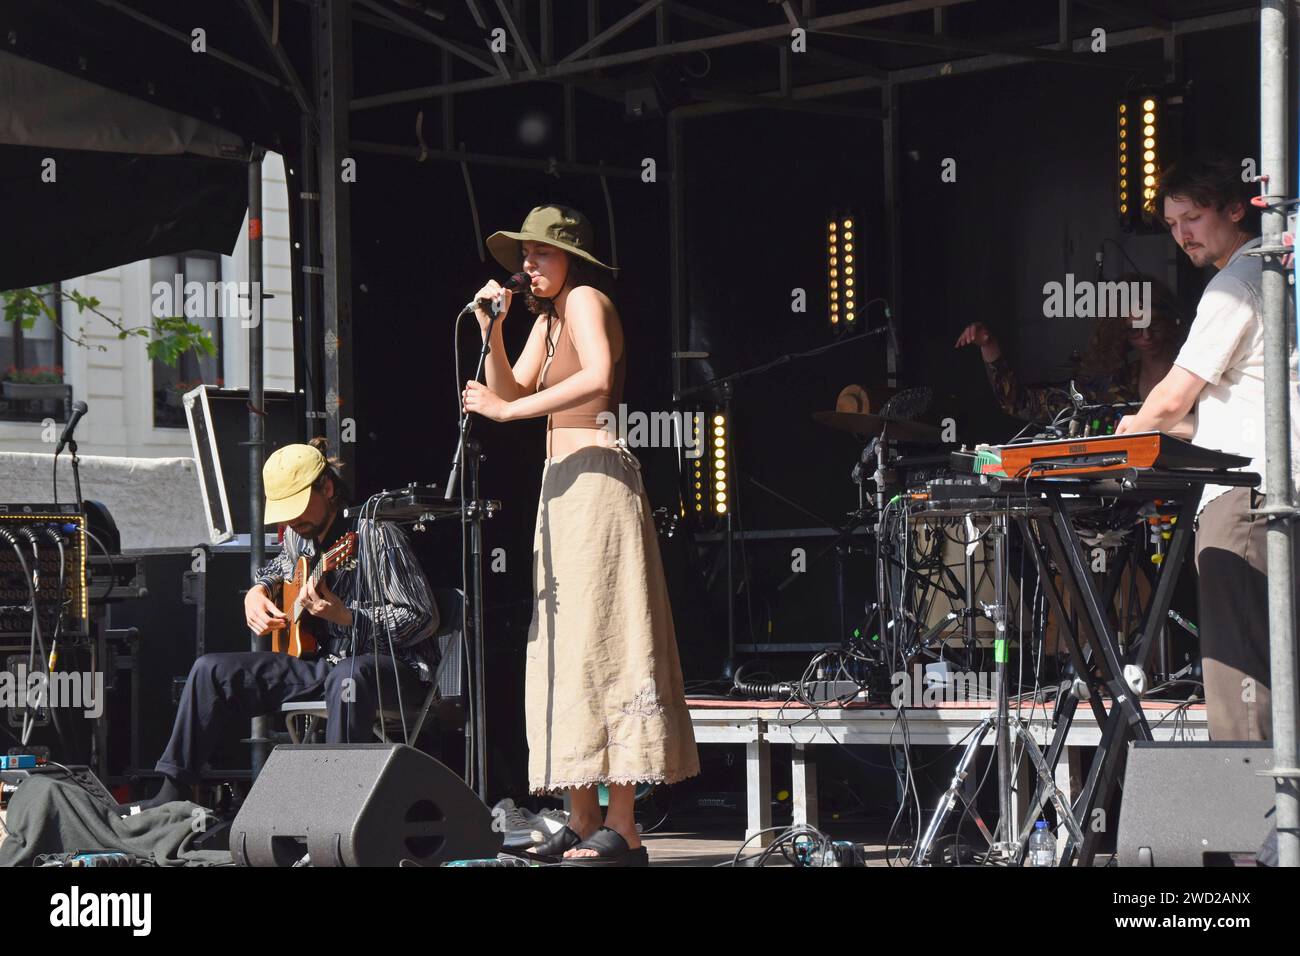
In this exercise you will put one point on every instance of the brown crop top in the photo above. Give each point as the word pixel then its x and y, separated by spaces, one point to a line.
pixel 561 365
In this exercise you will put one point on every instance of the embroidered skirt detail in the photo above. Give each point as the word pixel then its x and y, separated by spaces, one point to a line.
pixel 604 700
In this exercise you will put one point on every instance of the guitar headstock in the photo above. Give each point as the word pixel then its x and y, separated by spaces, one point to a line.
pixel 342 555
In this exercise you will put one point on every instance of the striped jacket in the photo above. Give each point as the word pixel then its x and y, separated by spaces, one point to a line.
pixel 403 611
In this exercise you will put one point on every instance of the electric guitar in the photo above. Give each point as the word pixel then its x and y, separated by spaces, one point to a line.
pixel 296 635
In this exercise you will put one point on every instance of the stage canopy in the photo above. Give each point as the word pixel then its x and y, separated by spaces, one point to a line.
pixel 148 108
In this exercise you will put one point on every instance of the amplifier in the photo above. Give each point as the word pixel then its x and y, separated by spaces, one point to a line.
pixel 42 570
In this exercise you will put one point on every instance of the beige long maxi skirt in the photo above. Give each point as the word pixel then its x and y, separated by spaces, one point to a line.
pixel 604 700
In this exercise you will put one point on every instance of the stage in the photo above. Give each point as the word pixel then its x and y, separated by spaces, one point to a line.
pixel 899 394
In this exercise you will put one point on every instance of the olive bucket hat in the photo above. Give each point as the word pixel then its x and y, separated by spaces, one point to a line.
pixel 559 226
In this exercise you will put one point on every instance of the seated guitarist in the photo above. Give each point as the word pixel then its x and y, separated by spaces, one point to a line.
pixel 305 492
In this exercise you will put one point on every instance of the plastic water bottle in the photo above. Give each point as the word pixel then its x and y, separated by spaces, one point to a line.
pixel 1042 846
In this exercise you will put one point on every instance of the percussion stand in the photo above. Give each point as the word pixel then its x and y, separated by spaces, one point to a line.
pixel 724 387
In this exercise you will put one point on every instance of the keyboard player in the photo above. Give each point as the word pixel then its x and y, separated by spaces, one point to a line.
pixel 1219 372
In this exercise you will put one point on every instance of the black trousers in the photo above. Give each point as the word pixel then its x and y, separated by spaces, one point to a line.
pixel 227 687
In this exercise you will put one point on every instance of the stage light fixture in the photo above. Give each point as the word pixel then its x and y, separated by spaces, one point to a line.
pixel 1146 124
pixel 841 251
pixel 696 493
pixel 720 464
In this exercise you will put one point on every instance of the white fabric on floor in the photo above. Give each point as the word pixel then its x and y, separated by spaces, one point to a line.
pixel 155 501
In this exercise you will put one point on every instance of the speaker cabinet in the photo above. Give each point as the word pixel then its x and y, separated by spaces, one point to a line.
pixel 1184 802
pixel 359 805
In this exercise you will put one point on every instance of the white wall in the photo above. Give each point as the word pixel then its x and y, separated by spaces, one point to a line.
pixel 117 382
pixel 277 333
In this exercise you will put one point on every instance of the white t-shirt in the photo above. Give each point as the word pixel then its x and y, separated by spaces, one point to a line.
pixel 1225 346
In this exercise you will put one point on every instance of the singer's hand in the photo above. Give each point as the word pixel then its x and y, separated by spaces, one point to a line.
pixel 477 397
pixel 493 289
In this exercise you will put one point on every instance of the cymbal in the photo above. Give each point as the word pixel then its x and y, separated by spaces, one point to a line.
pixel 868 426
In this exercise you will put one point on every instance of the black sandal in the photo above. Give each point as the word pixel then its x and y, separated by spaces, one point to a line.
pixel 611 850
pixel 553 847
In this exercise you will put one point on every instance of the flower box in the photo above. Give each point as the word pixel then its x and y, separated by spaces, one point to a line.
pixel 27 391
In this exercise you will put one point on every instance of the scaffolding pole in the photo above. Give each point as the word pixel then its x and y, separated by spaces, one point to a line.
pixel 256 424
pixel 1277 424
pixel 333 36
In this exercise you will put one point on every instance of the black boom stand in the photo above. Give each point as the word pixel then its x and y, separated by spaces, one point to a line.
pixel 464 478
pixel 721 391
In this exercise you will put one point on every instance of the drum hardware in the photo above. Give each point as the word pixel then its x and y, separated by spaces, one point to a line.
pixel 1066 495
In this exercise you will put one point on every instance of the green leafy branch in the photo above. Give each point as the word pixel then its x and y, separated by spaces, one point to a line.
pixel 168 337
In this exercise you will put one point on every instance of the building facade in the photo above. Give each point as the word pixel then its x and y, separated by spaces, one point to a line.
pixel 134 402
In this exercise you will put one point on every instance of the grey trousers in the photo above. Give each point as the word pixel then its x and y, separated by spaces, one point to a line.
pixel 1231 562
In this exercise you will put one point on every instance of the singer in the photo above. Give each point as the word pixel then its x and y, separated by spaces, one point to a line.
pixel 604 699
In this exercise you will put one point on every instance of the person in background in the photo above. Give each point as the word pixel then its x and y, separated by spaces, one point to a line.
pixel 1121 365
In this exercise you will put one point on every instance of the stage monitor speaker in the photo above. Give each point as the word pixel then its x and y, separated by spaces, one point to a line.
pixel 1186 801
pixel 359 805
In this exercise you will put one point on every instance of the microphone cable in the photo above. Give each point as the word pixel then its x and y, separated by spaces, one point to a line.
pixel 37 639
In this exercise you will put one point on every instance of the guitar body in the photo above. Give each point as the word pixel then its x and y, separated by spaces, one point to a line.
pixel 298 637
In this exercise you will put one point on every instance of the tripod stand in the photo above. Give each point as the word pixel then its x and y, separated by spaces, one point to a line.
pixel 1004 842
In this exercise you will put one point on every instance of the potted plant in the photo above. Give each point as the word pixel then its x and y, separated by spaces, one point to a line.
pixel 39 382
pixel 173 392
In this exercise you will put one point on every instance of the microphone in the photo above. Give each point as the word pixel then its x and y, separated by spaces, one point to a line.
pixel 520 280
pixel 78 409
pixel 893 334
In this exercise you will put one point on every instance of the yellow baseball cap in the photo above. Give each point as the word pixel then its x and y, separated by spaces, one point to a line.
pixel 287 476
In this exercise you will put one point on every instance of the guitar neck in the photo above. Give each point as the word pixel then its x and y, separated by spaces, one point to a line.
pixel 295 609
pixel 332 558
pixel 319 571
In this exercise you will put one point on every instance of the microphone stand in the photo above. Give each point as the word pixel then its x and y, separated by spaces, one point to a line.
pixel 76 475
pixel 453 480
pixel 467 456
pixel 715 385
